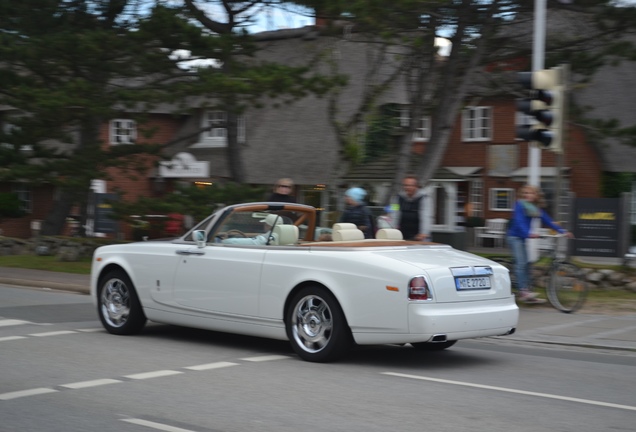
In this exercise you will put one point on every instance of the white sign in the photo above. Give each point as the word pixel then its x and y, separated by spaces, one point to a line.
pixel 183 165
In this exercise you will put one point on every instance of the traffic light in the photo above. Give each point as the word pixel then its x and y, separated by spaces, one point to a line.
pixel 545 105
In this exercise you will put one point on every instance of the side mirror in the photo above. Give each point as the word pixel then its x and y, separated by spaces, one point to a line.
pixel 199 237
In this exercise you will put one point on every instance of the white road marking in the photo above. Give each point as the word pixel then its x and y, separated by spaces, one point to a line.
pixel 93 383
pixel 265 358
pixel 209 366
pixel 106 381
pixel 509 390
pixel 12 322
pixel 9 338
pixel 154 374
pixel 25 393
pixel 90 330
pixel 158 426
pixel 53 333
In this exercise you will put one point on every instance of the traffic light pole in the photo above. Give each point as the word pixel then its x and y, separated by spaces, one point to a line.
pixel 538 61
pixel 534 152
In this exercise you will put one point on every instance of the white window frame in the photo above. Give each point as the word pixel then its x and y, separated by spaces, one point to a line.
pixel 493 199
pixel 404 117
pixel 23 191
pixel 476 197
pixel 422 131
pixel 123 131
pixel 216 137
pixel 477 124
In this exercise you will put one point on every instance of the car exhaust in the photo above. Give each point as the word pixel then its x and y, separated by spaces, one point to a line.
pixel 438 338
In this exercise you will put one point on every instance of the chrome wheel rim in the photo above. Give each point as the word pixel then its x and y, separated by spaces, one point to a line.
pixel 115 303
pixel 312 324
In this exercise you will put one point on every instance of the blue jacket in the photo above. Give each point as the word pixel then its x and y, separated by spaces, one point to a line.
pixel 519 225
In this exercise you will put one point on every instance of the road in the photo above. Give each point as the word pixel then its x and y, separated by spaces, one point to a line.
pixel 62 372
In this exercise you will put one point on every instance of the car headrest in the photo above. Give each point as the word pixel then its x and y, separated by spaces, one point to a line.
pixel 389 234
pixel 343 226
pixel 347 235
pixel 286 234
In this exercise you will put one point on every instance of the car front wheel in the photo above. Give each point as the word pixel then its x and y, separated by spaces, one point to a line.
pixel 316 325
pixel 118 305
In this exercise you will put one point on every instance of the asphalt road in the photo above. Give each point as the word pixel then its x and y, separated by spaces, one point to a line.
pixel 62 372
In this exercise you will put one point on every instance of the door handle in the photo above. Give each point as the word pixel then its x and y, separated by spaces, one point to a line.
pixel 190 252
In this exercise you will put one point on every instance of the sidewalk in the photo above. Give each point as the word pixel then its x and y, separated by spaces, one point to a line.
pixel 542 325
pixel 45 279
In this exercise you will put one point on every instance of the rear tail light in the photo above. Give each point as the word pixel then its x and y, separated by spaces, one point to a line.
pixel 418 289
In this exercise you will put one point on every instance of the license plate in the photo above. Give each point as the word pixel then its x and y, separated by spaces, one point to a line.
pixel 472 283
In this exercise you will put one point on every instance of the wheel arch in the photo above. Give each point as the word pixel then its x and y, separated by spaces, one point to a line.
pixel 107 269
pixel 306 284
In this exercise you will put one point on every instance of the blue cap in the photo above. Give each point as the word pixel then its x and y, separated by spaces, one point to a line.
pixel 357 194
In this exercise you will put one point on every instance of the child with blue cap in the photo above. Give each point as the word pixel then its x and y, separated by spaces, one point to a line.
pixel 357 212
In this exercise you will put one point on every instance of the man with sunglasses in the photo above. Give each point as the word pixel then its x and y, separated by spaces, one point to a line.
pixel 283 191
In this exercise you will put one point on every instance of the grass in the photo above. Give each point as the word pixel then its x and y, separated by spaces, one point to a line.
pixel 49 263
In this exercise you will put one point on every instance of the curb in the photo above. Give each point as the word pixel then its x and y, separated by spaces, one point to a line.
pixel 81 289
pixel 579 344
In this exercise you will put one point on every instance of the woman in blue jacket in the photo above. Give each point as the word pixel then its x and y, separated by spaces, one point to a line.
pixel 529 206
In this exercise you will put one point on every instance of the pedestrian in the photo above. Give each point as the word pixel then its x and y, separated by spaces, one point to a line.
pixel 357 212
pixel 410 214
pixel 529 206
pixel 283 191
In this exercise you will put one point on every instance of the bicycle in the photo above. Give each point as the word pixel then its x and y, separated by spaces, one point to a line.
pixel 566 288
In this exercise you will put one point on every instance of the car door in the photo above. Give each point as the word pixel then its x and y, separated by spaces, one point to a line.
pixel 220 278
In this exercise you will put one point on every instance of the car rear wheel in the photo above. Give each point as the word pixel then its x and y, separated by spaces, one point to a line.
pixel 118 305
pixel 433 346
pixel 316 325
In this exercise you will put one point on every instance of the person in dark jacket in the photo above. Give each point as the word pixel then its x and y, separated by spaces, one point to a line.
pixel 409 211
pixel 357 212
pixel 283 191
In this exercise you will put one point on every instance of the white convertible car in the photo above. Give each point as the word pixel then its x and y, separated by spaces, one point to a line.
pixel 256 269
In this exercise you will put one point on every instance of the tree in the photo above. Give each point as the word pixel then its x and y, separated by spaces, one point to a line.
pixel 10 205
pixel 69 66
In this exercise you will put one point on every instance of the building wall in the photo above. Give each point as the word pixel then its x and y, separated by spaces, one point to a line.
pixel 42 203
pixel 579 156
pixel 132 184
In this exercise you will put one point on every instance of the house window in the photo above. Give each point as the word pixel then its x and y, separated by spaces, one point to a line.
pixel 476 124
pixel 123 131
pixel 404 116
pixel 24 195
pixel 476 198
pixel 502 199
pixel 215 120
pixel 422 130
pixel 215 134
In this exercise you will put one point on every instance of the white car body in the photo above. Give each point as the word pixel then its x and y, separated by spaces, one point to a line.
pixel 248 289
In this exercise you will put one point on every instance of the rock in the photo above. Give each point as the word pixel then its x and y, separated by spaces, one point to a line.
pixel 68 254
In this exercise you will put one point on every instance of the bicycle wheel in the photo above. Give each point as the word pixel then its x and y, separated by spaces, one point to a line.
pixel 567 289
